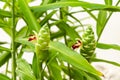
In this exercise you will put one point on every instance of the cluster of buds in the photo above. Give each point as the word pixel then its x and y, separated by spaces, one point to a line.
pixel 42 39
pixel 88 44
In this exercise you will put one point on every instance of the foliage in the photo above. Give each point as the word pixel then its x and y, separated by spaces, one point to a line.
pixel 53 59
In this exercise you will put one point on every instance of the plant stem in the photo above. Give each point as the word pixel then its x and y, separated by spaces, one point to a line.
pixel 39 67
pixel 13 42
pixel 63 12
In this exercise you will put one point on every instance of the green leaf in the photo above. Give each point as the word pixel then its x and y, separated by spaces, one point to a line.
pixel 101 21
pixel 77 74
pixel 24 76
pixel 54 68
pixel 92 77
pixel 73 58
pixel 29 1
pixel 57 34
pixel 108 2
pixel 106 61
pixel 42 8
pixel 4 49
pixel 69 30
pixel 3 42
pixel 61 33
pixel 73 72
pixel 47 17
pixel 4 13
pixel 22 32
pixel 24 66
pixel 26 42
pixel 70 14
pixel 2 25
pixel 6 25
pixel 91 14
pixel 29 17
pixel 4 77
pixel 4 56
pixel 108 46
pixel 44 2
pixel 34 65
pixel 24 70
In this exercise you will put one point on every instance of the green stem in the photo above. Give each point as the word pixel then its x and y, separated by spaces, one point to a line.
pixel 63 16
pixel 39 68
pixel 107 21
pixel 13 42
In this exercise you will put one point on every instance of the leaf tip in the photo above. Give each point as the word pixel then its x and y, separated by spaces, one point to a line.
pixel 100 74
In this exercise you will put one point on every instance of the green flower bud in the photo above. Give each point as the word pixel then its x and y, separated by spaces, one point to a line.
pixel 43 39
pixel 88 44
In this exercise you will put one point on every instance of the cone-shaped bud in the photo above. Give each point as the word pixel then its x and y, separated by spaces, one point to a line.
pixel 88 44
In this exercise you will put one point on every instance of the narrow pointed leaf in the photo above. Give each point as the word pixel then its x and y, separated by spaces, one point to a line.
pixel 108 46
pixel 4 77
pixel 4 49
pixel 47 18
pixel 92 77
pixel 3 42
pixel 34 65
pixel 26 42
pixel 2 25
pixel 7 30
pixel 69 30
pixel 53 66
pixel 24 70
pixel 108 2
pixel 73 58
pixel 106 61
pixel 57 34
pixel 55 70
pixel 24 76
pixel 4 13
pixel 22 32
pixel 4 56
pixel 43 8
pixel 29 17
pixel 102 16
pixel 91 14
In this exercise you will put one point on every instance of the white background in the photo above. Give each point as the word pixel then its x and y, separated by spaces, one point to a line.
pixel 110 35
